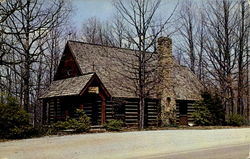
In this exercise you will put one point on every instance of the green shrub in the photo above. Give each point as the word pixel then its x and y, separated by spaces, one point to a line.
pixel 202 115
pixel 61 125
pixel 235 120
pixel 84 120
pixel 14 121
pixel 114 125
pixel 42 131
pixel 80 124
pixel 209 111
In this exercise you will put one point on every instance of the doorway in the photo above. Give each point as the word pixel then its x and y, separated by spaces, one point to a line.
pixel 183 112
pixel 92 107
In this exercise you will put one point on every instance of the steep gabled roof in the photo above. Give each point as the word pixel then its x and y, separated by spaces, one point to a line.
pixel 186 85
pixel 110 64
pixel 71 86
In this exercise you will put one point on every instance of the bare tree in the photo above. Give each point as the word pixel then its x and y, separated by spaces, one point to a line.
pixel 200 41
pixel 187 30
pixel 220 47
pixel 7 9
pixel 139 17
pixel 118 32
pixel 105 33
pixel 92 31
pixel 28 27
pixel 242 46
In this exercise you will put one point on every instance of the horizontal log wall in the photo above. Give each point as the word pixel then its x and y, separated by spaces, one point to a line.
pixel 55 110
pixel 88 108
pixel 152 113
pixel 51 112
pixel 130 112
pixel 109 110
pixel 126 109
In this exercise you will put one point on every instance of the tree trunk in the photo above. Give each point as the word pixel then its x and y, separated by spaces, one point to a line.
pixel 26 78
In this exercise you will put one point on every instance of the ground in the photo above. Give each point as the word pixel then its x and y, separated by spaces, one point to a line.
pixel 171 144
pixel 224 152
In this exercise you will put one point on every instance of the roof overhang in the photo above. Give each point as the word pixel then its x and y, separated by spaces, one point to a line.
pixel 74 86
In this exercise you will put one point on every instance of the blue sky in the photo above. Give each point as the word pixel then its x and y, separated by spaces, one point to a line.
pixel 104 9
pixel 84 9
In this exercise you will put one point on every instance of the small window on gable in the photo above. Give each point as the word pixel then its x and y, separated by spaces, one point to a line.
pixel 69 72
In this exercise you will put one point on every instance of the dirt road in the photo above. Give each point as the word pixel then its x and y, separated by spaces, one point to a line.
pixel 222 152
pixel 122 145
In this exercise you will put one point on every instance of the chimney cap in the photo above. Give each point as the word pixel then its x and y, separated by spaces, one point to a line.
pixel 164 40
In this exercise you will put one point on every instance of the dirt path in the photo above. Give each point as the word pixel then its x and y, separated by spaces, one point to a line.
pixel 121 145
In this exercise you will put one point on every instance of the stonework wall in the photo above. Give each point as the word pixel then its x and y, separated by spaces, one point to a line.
pixel 166 87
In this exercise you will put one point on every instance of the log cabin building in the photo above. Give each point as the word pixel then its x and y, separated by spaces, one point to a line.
pixel 93 78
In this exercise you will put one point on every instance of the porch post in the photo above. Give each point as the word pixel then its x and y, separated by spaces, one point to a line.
pixel 103 119
pixel 44 117
pixel 81 107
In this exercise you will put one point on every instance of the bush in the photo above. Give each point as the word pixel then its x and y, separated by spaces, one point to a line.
pixel 209 111
pixel 114 125
pixel 202 115
pixel 42 131
pixel 14 121
pixel 235 120
pixel 80 124
pixel 84 121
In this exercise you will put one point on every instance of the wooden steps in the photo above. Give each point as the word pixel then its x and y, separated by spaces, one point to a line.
pixel 97 129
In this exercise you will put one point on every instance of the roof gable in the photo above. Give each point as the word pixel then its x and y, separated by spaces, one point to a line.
pixel 110 64
pixel 73 86
pixel 104 61
pixel 68 66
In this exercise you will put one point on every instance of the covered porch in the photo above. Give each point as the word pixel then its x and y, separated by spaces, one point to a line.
pixel 64 97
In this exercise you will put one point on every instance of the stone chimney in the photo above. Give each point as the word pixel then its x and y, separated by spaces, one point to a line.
pixel 166 87
pixel 165 46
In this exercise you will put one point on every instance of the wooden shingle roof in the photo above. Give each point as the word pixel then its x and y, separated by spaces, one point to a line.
pixel 110 65
pixel 186 84
pixel 69 87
